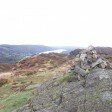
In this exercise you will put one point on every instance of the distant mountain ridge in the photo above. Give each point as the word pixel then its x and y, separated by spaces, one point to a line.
pixel 100 50
pixel 13 53
pixel 104 50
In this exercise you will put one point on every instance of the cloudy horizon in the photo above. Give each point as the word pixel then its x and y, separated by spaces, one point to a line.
pixel 56 23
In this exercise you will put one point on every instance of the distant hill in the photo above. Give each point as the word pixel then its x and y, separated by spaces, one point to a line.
pixel 67 48
pixel 104 50
pixel 100 50
pixel 13 53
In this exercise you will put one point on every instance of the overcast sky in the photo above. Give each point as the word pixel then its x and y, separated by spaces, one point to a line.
pixel 56 22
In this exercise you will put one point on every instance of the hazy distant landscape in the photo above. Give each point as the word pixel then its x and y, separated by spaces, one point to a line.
pixel 13 53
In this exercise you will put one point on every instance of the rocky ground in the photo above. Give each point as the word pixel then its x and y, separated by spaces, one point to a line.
pixel 60 95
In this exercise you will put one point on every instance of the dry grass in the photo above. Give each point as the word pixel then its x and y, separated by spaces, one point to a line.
pixel 5 80
pixel 13 92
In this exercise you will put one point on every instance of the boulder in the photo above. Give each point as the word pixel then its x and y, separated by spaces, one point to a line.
pixel 83 56
pixel 98 61
pixel 80 71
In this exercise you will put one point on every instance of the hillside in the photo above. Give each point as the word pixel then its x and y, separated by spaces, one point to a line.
pixel 18 85
pixel 41 62
pixel 13 53
pixel 6 67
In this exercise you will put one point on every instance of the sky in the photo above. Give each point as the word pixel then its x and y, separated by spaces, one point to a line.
pixel 56 22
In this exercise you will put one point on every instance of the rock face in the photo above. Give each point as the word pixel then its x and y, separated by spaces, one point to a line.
pixel 95 96
pixel 92 93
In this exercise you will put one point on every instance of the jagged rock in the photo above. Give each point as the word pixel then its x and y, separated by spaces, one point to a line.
pixel 90 48
pixel 103 65
pixel 99 61
pixel 84 65
pixel 83 56
pixel 80 71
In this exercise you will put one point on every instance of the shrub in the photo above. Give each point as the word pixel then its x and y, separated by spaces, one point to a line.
pixel 3 81
pixel 64 78
pixel 29 73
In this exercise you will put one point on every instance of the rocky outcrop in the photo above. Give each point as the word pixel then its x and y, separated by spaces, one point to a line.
pixel 87 60
pixel 95 96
